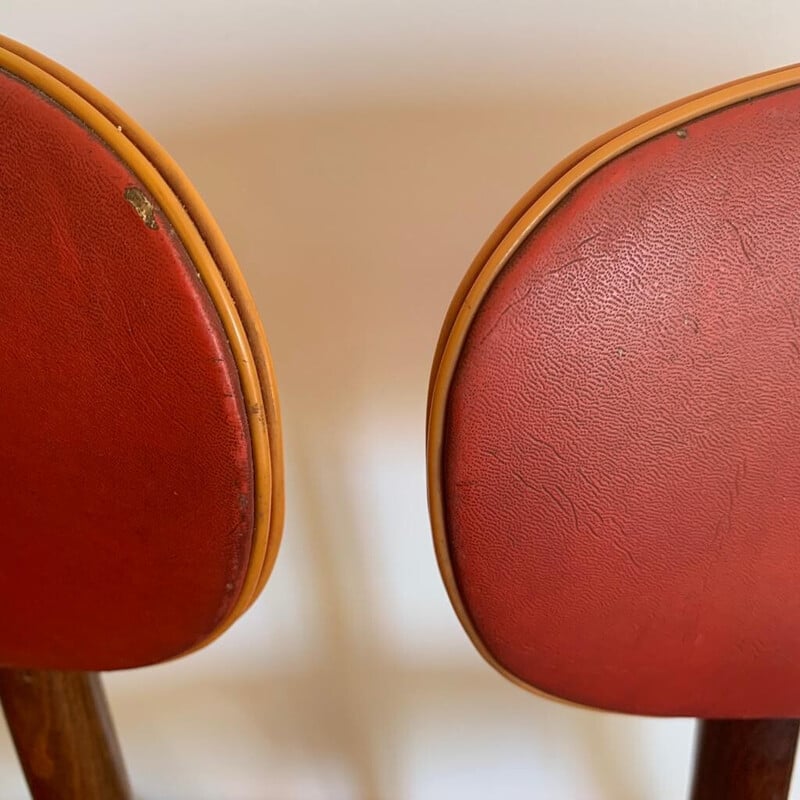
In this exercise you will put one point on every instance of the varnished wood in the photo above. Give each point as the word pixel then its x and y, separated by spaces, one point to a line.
pixel 65 739
pixel 744 759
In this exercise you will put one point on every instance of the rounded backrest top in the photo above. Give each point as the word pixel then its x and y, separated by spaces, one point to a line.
pixel 136 469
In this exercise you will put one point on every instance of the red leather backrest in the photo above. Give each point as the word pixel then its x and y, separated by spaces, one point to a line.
pixel 615 435
pixel 129 493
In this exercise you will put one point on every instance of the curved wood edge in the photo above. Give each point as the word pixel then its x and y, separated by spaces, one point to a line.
pixel 524 203
pixel 517 225
pixel 744 759
pixel 258 386
pixel 64 735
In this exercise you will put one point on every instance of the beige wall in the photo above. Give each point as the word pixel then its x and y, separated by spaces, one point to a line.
pixel 356 154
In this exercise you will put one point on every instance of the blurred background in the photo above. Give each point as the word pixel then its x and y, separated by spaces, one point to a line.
pixel 357 153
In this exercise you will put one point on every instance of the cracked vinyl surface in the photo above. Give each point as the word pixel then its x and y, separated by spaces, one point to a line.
pixel 621 446
pixel 126 475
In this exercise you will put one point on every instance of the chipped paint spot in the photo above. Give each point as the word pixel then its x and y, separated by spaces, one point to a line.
pixel 142 206
pixel 681 133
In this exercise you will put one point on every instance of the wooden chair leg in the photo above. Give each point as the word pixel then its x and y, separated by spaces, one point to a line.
pixel 64 736
pixel 744 759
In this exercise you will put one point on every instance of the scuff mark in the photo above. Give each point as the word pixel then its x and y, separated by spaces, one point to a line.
pixel 741 474
pixel 690 321
pixel 586 241
pixel 555 499
pixel 570 263
pixel 745 251
pixel 522 480
pixel 574 510
pixel 545 445
pixel 505 311
pixel 142 206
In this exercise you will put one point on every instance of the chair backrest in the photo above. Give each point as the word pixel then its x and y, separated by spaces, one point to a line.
pixel 614 418
pixel 140 454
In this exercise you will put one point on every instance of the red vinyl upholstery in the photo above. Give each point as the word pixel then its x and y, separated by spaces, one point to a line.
pixel 620 451
pixel 126 473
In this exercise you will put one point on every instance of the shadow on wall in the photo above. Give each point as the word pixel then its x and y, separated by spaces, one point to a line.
pixel 353 226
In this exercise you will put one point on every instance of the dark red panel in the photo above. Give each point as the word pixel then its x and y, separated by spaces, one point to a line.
pixel 622 442
pixel 126 488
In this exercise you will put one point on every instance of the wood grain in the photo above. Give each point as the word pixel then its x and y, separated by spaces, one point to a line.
pixel 64 735
pixel 744 759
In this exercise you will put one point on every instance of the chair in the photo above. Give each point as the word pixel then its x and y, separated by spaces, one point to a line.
pixel 614 431
pixel 140 451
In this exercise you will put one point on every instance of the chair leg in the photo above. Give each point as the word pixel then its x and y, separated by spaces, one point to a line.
pixel 64 735
pixel 744 759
